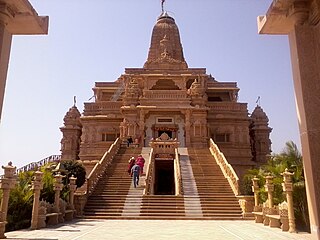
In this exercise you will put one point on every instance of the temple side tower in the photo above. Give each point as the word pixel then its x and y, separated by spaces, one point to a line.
pixel 260 136
pixel 71 131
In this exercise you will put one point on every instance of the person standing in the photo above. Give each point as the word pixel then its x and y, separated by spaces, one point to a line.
pixel 130 165
pixel 129 141
pixel 140 161
pixel 135 171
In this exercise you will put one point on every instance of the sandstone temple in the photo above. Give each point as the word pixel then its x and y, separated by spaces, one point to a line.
pixel 183 122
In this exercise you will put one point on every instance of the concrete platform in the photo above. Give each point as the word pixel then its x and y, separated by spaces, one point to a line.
pixel 157 229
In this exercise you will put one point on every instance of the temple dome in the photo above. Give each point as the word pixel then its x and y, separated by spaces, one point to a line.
pixel 72 117
pixel 165 50
pixel 259 114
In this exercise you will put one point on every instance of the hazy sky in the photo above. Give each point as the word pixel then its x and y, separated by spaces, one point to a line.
pixel 94 40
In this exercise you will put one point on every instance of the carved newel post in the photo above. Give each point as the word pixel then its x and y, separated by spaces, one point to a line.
pixel 58 185
pixel 7 182
pixel 37 185
pixel 72 187
pixel 287 188
pixel 255 190
pixel 269 186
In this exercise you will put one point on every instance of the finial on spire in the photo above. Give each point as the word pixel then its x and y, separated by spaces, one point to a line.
pixel 258 101
pixel 74 101
pixel 162 2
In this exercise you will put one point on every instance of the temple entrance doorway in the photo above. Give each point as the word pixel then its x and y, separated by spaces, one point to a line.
pixel 170 123
pixel 164 178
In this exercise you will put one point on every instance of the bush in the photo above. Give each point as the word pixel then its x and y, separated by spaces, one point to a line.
pixel 20 203
pixel 291 159
pixel 76 169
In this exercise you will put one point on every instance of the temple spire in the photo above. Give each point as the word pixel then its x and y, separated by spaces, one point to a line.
pixel 165 50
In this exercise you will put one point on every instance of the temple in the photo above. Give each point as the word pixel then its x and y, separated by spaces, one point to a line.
pixel 167 96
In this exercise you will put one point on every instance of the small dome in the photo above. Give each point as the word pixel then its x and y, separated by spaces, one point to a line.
pixel 72 117
pixel 259 114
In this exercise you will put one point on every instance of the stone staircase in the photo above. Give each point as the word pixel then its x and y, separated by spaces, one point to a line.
pixel 110 194
pixel 207 194
pixel 216 196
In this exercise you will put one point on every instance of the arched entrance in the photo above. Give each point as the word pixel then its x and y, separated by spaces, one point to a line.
pixel 170 123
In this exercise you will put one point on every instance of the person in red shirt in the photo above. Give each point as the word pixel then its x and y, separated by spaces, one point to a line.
pixel 130 165
pixel 140 161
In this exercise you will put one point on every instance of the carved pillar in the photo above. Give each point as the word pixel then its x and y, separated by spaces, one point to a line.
pixel 7 182
pixel 5 46
pixel 287 188
pixel 187 128
pixel 72 187
pixel 58 185
pixel 269 186
pixel 142 126
pixel 37 185
pixel 255 190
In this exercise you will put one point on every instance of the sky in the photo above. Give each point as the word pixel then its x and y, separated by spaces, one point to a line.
pixel 93 41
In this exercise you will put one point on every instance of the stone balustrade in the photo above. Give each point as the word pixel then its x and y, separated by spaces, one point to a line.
pixel 226 168
pixel 177 174
pixel 101 166
pixel 227 106
pixel 149 174
pixel 164 144
pixel 100 107
pixel 275 216
pixel 170 94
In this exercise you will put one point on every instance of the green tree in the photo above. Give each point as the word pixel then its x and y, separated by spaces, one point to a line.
pixel 20 203
pixel 289 158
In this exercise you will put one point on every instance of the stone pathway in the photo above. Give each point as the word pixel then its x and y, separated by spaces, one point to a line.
pixel 158 230
pixel 192 202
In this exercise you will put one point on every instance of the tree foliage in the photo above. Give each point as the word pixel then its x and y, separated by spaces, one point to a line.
pixel 289 158
pixel 20 203
pixel 21 197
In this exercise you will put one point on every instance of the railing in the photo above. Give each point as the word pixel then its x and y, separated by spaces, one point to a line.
pixel 100 107
pixel 101 166
pixel 161 94
pixel 149 174
pixel 164 146
pixel 227 106
pixel 226 168
pixel 34 165
pixel 177 174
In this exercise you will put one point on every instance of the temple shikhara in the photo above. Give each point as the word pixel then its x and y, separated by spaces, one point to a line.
pixel 179 118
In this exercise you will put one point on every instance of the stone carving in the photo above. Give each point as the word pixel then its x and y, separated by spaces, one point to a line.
pixel 132 90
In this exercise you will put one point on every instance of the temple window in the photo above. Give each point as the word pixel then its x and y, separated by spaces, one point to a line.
pixel 165 120
pixel 107 137
pixel 221 137
pixel 214 99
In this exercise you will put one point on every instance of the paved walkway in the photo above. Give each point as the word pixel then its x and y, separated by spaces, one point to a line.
pixel 158 230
